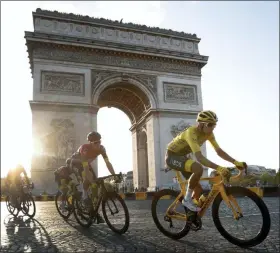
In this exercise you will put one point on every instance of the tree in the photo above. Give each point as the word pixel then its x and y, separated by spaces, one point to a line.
pixel 277 178
pixel 248 180
pixel 266 178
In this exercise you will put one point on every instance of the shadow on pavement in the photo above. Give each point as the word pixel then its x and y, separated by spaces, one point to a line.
pixel 128 242
pixel 25 234
pixel 117 243
pixel 141 242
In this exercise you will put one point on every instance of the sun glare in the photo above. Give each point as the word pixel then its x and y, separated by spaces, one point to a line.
pixel 113 125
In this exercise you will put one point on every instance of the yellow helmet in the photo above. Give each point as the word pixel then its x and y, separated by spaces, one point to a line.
pixel 207 116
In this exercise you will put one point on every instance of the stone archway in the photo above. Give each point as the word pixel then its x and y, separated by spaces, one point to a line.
pixel 125 92
pixel 80 64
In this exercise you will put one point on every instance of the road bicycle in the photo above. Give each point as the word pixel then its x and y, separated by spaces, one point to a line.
pixel 24 201
pixel 220 192
pixel 108 199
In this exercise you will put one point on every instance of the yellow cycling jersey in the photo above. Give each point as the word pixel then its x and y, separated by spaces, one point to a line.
pixel 189 141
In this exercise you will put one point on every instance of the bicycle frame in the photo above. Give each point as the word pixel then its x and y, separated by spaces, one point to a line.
pixel 99 199
pixel 218 187
pixel 100 184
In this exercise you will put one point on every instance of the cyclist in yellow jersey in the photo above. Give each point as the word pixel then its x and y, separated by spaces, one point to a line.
pixel 189 141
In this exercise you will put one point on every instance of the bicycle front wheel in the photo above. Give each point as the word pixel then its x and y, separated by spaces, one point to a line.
pixel 257 217
pixel 82 213
pixel 114 205
pixel 12 210
pixel 28 206
pixel 161 201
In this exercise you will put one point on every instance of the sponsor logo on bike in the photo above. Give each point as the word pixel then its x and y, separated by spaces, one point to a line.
pixel 209 198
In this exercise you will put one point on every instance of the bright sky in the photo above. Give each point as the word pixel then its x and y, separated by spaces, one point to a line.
pixel 240 82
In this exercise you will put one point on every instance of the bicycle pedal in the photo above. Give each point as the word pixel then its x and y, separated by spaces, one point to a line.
pixel 166 218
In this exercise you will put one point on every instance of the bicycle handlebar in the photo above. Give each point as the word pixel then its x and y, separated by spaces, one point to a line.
pixel 238 176
pixel 103 178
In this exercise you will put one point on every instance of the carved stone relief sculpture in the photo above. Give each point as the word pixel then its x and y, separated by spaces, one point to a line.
pixel 123 33
pixel 59 144
pixel 114 60
pixel 107 22
pixel 62 83
pixel 179 127
pixel 99 76
pixel 178 93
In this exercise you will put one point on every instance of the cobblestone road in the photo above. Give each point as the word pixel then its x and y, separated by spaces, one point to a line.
pixel 48 232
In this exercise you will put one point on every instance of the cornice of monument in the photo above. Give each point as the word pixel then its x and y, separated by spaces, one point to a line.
pixel 116 24
pixel 110 45
pixel 53 106
pixel 77 53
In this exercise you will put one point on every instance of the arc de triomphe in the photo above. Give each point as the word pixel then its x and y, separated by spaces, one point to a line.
pixel 80 64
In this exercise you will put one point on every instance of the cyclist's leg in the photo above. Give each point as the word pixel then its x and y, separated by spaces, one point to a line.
pixel 194 188
pixel 63 188
pixel 191 170
pixel 76 176
pixel 85 186
pixel 95 195
pixel 197 192
pixel 94 189
pixel 88 183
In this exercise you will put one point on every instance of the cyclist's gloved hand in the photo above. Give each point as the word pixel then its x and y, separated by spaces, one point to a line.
pixel 240 165
pixel 224 172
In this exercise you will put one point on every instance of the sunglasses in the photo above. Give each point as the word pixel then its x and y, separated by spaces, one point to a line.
pixel 210 125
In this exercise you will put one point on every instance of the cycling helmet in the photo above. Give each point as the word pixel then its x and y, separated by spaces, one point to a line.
pixel 93 136
pixel 207 117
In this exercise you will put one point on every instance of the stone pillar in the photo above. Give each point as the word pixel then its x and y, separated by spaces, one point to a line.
pixel 153 149
pixel 58 130
pixel 143 175
pixel 62 116
pixel 135 159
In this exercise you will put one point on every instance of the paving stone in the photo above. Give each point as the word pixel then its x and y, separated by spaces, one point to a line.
pixel 48 232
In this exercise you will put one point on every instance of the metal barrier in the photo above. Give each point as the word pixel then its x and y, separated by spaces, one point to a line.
pixel 140 195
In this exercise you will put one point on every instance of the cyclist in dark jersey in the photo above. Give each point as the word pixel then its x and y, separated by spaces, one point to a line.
pixel 67 178
pixel 13 182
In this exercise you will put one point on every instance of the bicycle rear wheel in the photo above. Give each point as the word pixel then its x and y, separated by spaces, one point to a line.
pixel 114 203
pixel 238 193
pixel 168 197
